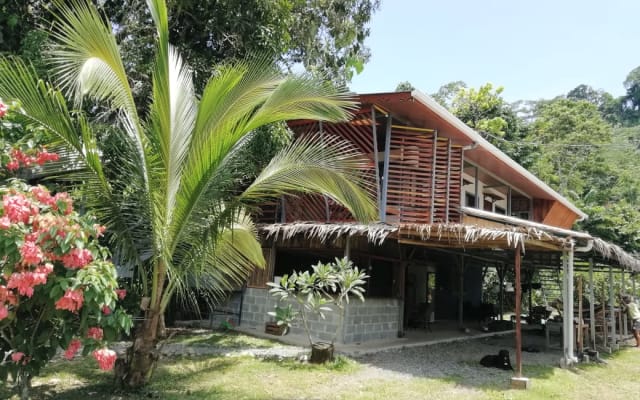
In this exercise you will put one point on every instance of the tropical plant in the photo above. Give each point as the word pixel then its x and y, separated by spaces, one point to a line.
pixel 167 193
pixel 57 289
pixel 313 292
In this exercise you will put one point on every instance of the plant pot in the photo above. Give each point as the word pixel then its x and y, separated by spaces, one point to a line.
pixel 273 328
pixel 321 352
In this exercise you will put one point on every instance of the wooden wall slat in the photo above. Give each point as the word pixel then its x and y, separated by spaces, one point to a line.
pixel 261 276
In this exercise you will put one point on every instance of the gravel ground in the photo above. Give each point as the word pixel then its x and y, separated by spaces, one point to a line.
pixel 460 360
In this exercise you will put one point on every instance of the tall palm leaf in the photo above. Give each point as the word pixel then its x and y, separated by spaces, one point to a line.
pixel 167 193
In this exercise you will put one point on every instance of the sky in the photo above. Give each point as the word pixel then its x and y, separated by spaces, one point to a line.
pixel 534 49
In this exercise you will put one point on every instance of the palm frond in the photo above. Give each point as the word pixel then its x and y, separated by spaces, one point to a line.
pixel 238 99
pixel 172 117
pixel 45 107
pixel 220 261
pixel 86 59
pixel 330 166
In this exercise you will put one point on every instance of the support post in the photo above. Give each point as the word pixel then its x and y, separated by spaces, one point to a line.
pixel 501 293
pixel 623 329
pixel 385 176
pixel 432 208
pixel 476 189
pixel 461 293
pixel 567 305
pixel 612 314
pixel 518 312
pixel 592 310
pixel 518 382
pixel 327 213
pixel 401 276
pixel 376 161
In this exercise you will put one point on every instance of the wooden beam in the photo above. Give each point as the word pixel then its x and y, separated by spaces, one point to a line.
pixel 374 133
pixel 518 316
pixel 385 177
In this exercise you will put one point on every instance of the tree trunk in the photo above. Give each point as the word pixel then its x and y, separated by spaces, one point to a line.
pixel 24 385
pixel 321 352
pixel 136 368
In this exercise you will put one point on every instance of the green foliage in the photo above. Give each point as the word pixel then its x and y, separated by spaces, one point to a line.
pixel 51 253
pixel 570 134
pixel 405 86
pixel 168 194
pixel 313 291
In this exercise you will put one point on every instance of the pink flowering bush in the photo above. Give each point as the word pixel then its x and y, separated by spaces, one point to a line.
pixel 55 283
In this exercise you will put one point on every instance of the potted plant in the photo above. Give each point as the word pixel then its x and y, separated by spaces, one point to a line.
pixel 314 292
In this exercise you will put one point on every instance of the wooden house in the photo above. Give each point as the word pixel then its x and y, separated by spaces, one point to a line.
pixel 450 205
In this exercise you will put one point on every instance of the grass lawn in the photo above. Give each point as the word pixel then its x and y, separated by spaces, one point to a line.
pixel 244 377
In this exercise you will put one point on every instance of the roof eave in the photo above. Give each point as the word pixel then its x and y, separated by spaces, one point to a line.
pixel 482 142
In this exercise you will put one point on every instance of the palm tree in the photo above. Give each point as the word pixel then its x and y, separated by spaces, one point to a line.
pixel 168 194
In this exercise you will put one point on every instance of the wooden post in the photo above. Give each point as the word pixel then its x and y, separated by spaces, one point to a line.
pixel 518 311
pixel 385 177
pixel 580 323
pixel 400 294
pixel 374 133
pixel 446 208
pixel 623 329
pixel 501 293
pixel 612 314
pixel 461 293
pixel 592 309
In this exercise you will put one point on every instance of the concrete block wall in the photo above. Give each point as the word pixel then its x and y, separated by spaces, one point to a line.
pixel 375 319
pixel 372 320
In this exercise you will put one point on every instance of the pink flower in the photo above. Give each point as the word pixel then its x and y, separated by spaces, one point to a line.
pixel 24 282
pixel 106 310
pixel 43 156
pixel 31 253
pixel 17 356
pixel 122 293
pixel 73 348
pixel 13 165
pixel 63 202
pixel 72 300
pixel 3 109
pixel 95 333
pixel 77 258
pixel 106 358
pixel 4 311
pixel 18 208
pixel 5 223
pixel 42 195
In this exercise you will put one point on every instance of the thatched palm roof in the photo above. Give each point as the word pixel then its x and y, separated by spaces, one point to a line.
pixel 458 235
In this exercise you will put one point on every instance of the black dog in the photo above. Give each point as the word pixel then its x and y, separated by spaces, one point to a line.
pixel 497 361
